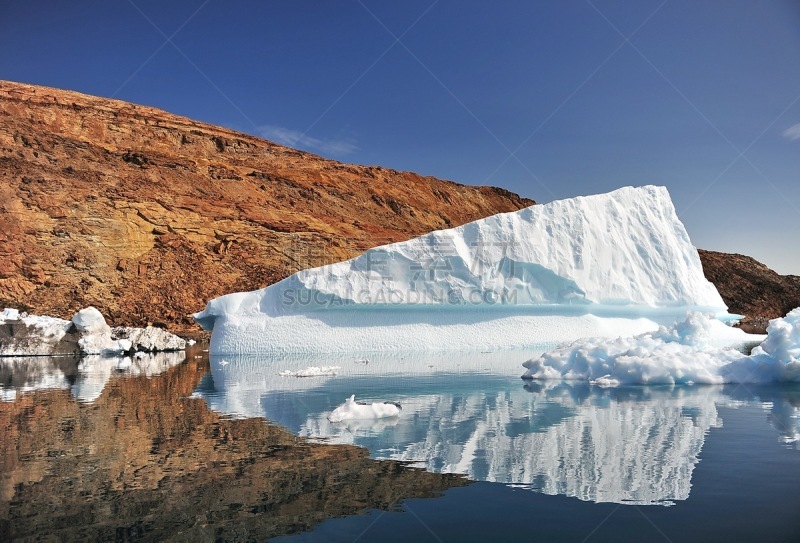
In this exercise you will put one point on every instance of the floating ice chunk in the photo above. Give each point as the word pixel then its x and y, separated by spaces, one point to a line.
pixel 353 410
pixel 31 335
pixel 313 371
pixel 605 381
pixel 685 353
pixel 783 338
pixel 89 320
pixel 554 268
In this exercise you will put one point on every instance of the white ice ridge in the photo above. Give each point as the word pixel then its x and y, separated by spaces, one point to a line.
pixel 682 354
pixel 622 254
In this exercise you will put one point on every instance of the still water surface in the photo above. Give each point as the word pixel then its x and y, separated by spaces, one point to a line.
pixel 228 449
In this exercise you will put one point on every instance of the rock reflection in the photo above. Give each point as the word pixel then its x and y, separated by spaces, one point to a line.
pixel 144 460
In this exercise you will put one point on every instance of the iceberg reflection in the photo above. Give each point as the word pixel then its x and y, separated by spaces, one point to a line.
pixel 631 445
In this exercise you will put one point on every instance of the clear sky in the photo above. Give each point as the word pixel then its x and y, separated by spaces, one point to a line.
pixel 550 99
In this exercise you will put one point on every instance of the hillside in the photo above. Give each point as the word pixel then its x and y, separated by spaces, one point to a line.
pixel 751 288
pixel 147 215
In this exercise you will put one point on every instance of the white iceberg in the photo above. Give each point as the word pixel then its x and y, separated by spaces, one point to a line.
pixel 95 333
pixel 616 263
pixel 683 354
pixel 353 410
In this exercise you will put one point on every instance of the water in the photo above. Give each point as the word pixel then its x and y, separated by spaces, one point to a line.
pixel 226 449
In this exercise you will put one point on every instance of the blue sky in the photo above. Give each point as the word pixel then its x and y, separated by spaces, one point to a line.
pixel 549 99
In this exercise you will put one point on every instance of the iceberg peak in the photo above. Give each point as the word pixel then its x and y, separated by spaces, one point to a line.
pixel 619 253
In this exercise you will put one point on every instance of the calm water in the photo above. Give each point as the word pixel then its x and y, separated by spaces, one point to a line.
pixel 227 449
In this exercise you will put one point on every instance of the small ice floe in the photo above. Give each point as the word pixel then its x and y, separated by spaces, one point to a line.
pixel 605 381
pixel 362 361
pixel 313 371
pixel 353 410
pixel 190 342
pixel 223 362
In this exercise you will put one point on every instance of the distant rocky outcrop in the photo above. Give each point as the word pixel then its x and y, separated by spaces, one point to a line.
pixel 750 288
pixel 147 215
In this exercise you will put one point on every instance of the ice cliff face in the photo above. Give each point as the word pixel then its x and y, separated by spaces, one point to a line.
pixel 616 253
pixel 627 247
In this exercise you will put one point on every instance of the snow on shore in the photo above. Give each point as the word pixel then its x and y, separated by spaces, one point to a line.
pixel 87 333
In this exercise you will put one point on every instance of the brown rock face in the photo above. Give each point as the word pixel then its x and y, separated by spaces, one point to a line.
pixel 750 288
pixel 146 462
pixel 147 215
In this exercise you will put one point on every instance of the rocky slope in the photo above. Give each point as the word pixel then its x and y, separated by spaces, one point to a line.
pixel 750 288
pixel 146 215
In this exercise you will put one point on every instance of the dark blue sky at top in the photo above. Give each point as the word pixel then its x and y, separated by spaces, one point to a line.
pixel 700 96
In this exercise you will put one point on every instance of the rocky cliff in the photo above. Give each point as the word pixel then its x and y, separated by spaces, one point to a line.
pixel 750 288
pixel 146 215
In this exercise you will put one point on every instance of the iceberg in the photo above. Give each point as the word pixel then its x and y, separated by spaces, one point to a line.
pixel 686 353
pixel 353 410
pixel 609 264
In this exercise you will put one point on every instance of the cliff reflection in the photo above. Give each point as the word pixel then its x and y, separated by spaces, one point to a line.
pixel 145 461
